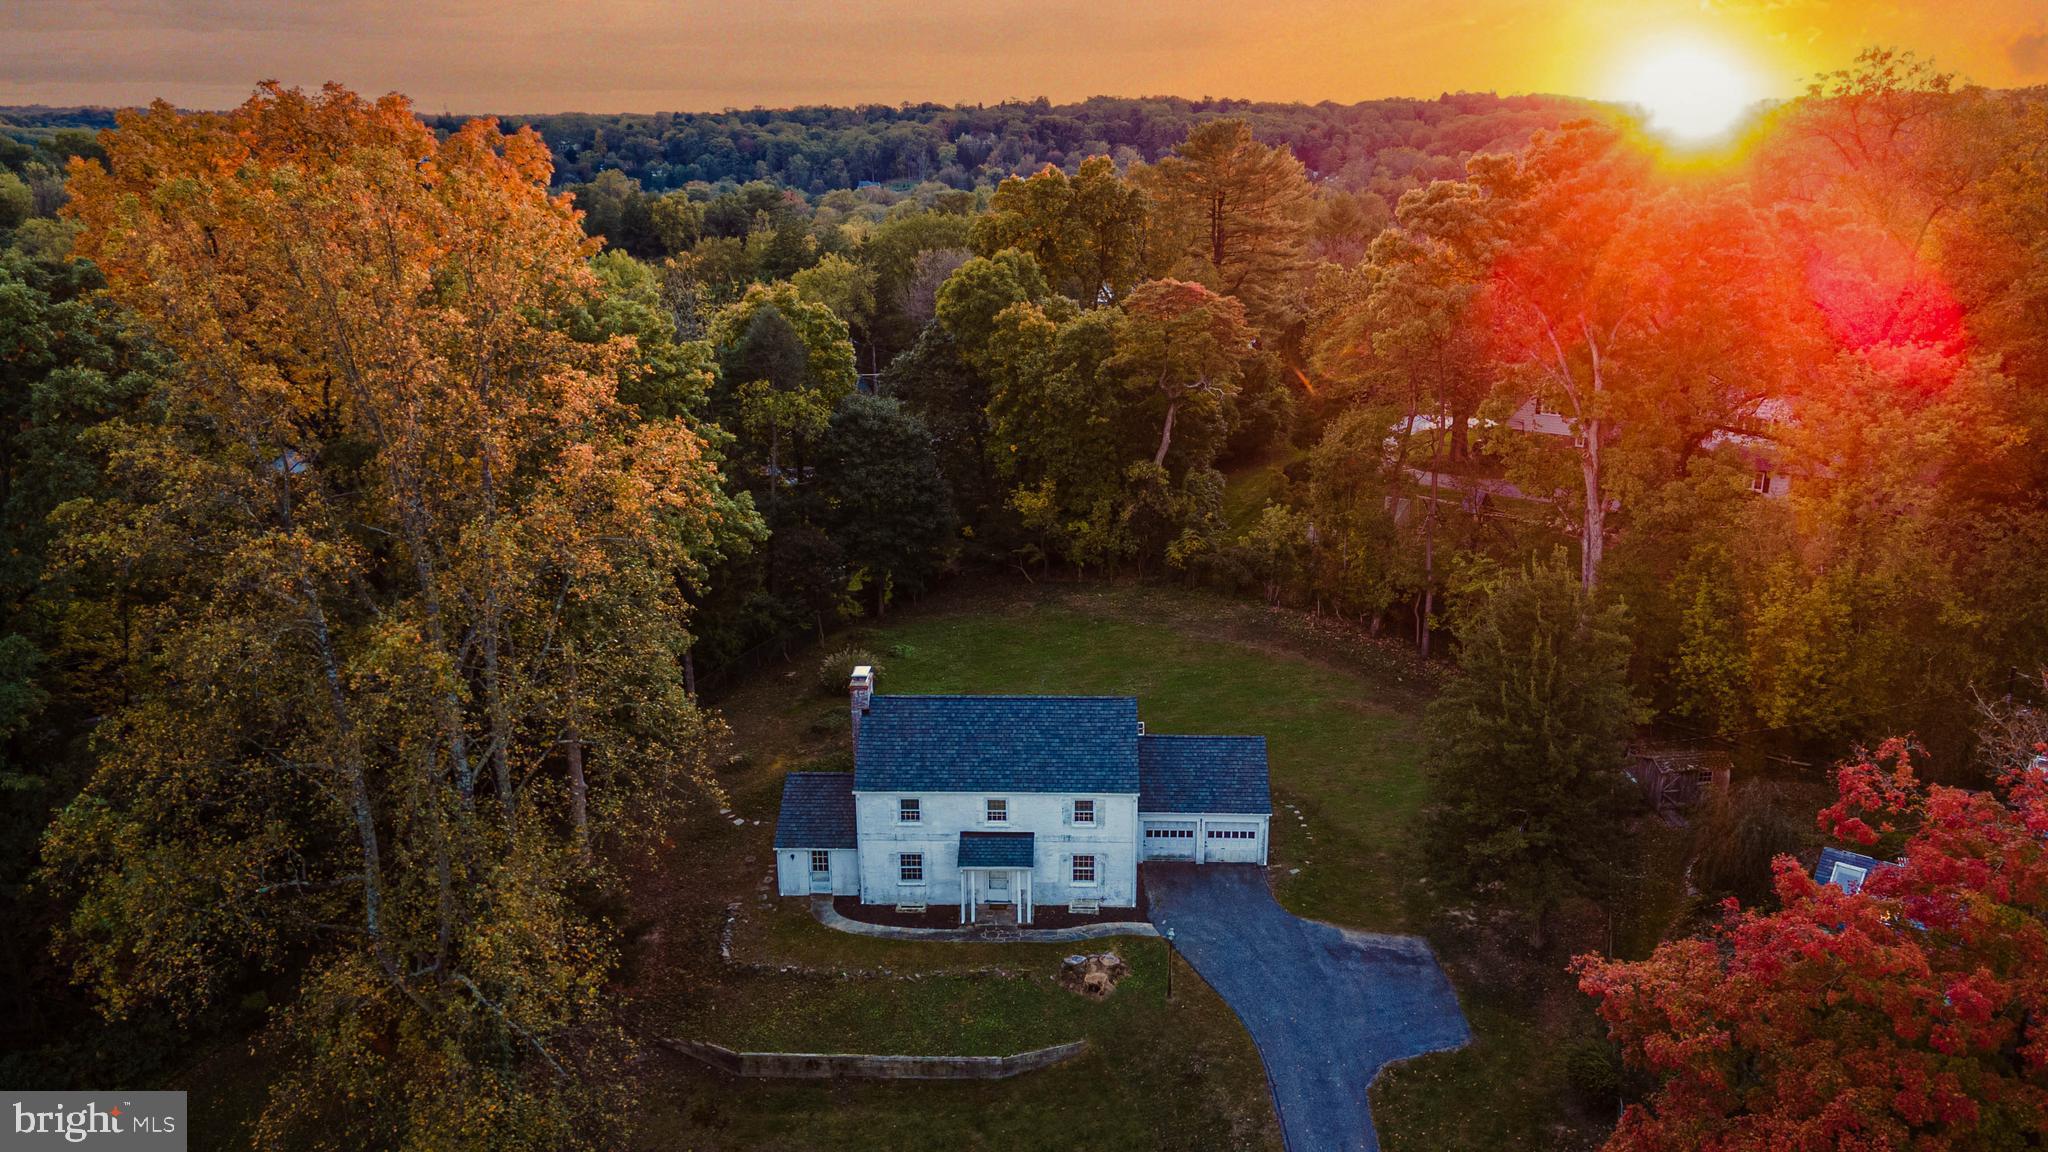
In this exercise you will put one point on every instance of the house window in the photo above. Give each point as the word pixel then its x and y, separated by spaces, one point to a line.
pixel 910 867
pixel 1084 811
pixel 1233 834
pixel 1170 833
pixel 1084 869
pixel 1847 877
pixel 997 811
pixel 821 862
pixel 908 812
pixel 1761 482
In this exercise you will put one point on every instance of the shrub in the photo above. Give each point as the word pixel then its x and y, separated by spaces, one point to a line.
pixel 1740 835
pixel 1593 1070
pixel 835 669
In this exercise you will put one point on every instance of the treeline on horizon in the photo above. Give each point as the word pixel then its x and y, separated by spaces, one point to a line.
pixel 821 148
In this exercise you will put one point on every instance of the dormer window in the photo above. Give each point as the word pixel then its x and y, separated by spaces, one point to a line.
pixel 996 811
pixel 908 811
pixel 1084 811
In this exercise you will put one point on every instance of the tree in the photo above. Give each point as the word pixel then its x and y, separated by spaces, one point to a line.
pixel 1234 214
pixel 981 289
pixel 677 222
pixel 1359 562
pixel 72 359
pixel 1412 339
pixel 409 675
pixel 1525 744
pixel 847 289
pixel 1906 1015
pixel 891 512
pixel 951 401
pixel 1059 424
pixel 615 210
pixel 1184 347
pixel 17 202
pixel 827 347
pixel 776 400
pixel 1086 232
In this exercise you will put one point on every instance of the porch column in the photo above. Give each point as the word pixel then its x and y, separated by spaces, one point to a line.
pixel 1026 895
pixel 963 896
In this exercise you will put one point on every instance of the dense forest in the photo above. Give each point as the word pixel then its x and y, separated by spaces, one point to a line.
pixel 385 493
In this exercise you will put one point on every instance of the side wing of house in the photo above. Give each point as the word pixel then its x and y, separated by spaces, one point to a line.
pixel 816 851
pixel 1204 799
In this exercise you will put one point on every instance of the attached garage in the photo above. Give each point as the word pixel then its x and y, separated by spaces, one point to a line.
pixel 1203 798
pixel 1233 842
pixel 1168 840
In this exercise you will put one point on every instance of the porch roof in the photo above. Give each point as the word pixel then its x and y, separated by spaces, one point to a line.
pixel 997 849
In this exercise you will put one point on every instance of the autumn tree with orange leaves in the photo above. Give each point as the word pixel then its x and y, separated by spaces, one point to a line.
pixel 1910 1015
pixel 404 588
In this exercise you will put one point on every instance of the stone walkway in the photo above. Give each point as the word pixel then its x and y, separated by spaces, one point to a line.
pixel 821 907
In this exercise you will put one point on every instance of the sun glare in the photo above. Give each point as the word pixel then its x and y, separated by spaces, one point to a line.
pixel 1690 90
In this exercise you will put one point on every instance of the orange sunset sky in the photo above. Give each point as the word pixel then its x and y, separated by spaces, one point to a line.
pixel 647 55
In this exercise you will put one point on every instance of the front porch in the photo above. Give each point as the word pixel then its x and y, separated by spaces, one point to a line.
pixel 995 876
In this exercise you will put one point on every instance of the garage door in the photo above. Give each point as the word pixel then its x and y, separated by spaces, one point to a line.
pixel 1231 843
pixel 1169 839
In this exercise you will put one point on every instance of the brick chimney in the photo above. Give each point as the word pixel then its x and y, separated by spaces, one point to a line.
pixel 860 690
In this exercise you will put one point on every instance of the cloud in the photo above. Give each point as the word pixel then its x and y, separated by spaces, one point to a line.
pixel 2029 53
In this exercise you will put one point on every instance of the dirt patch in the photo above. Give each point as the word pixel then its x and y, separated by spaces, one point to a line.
pixel 1094 976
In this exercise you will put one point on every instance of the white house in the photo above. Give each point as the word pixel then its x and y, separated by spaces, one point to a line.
pixel 1015 802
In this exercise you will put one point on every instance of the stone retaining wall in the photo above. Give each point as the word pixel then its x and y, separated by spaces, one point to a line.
pixel 827 1066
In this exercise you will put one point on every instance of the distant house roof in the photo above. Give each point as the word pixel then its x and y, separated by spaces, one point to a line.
pixel 817 811
pixel 997 850
pixel 1859 866
pixel 1203 774
pixel 998 744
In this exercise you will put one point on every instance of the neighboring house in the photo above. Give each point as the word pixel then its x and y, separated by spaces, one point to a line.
pixel 1757 449
pixel 1846 870
pixel 1015 802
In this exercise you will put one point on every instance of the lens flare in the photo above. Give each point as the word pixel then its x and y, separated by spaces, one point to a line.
pixel 1690 90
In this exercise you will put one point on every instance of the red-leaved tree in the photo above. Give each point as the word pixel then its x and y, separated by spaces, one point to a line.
pixel 1912 1014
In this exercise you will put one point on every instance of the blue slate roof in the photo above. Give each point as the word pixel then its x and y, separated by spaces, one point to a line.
pixel 997 849
pixel 1203 774
pixel 817 811
pixel 1824 870
pixel 998 744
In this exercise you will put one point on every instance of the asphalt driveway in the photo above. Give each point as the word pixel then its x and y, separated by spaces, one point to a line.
pixel 1327 1007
